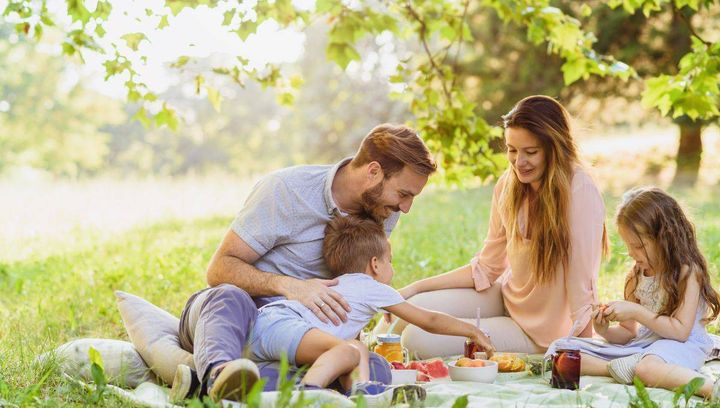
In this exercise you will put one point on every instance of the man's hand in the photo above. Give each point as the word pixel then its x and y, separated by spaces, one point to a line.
pixel 621 311
pixel 317 296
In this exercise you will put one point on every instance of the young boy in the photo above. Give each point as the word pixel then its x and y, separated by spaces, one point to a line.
pixel 357 252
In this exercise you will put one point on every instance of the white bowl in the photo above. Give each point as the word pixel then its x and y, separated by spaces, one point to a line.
pixel 485 374
pixel 404 376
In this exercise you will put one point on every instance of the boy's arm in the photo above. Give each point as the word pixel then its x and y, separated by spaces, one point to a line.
pixel 440 323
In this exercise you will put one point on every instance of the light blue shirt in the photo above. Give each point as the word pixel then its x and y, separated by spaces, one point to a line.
pixel 284 219
pixel 366 297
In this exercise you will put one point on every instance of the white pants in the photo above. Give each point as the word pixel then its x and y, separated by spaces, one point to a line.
pixel 462 303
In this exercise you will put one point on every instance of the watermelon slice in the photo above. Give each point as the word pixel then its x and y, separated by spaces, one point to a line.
pixel 396 365
pixel 429 370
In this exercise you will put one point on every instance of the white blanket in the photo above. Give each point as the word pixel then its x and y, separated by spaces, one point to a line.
pixel 509 390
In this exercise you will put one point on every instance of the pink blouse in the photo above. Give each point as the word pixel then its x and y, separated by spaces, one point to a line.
pixel 546 312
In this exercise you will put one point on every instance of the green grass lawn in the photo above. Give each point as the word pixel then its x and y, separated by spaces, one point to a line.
pixel 52 292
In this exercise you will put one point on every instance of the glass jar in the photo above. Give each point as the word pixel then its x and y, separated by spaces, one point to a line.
pixel 388 346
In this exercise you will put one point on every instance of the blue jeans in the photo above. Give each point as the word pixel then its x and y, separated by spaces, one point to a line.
pixel 215 326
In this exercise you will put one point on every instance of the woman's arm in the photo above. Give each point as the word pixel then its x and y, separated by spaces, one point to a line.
pixel 440 323
pixel 458 278
pixel 486 266
pixel 586 218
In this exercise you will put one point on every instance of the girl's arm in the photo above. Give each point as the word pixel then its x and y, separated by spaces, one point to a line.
pixel 440 323
pixel 676 327
pixel 621 333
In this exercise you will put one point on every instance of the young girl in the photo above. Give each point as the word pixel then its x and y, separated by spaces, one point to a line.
pixel 668 293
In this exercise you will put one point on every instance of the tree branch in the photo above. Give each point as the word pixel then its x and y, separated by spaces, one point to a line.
pixel 689 26
pixel 423 39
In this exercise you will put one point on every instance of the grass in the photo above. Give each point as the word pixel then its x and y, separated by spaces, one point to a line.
pixel 56 290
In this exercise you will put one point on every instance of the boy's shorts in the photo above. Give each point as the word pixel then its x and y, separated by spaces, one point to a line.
pixel 277 332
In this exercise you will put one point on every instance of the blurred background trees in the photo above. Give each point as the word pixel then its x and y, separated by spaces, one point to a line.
pixel 449 68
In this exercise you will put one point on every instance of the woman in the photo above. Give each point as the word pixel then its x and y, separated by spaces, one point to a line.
pixel 535 278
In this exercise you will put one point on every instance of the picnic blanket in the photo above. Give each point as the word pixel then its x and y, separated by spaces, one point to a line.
pixel 509 390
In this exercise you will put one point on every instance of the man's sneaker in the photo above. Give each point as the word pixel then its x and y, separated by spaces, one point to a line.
pixel 185 384
pixel 622 369
pixel 233 381
pixel 379 395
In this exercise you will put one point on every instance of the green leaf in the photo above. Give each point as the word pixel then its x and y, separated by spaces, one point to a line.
pixel 585 10
pixel 342 54
pixel 95 357
pixel 167 117
pixel 324 6
pixel 199 81
pixel 286 99
pixel 133 39
pixel 296 81
pixel 228 17
pixel 142 116
pixel 180 62
pixel 461 402
pixel 215 97
pixel 246 28
pixel 163 22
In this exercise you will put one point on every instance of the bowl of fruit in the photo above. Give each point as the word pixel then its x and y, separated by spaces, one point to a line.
pixel 466 369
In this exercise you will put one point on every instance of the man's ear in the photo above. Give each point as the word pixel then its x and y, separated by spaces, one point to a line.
pixel 374 171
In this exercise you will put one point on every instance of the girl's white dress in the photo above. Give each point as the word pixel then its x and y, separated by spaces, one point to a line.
pixel 691 353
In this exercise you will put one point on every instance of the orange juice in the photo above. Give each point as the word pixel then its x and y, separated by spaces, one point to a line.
pixel 389 347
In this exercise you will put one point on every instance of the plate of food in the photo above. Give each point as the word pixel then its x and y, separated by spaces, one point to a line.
pixel 476 370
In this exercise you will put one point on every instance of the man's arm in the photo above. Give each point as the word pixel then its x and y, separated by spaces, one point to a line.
pixel 232 263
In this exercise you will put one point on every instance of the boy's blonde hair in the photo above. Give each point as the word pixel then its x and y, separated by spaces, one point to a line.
pixel 351 242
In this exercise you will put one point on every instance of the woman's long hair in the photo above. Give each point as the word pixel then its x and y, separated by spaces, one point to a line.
pixel 654 216
pixel 549 236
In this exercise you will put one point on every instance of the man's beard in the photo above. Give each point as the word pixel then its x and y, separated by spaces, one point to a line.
pixel 371 205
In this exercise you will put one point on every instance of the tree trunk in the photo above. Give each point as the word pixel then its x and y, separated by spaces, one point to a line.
pixel 688 154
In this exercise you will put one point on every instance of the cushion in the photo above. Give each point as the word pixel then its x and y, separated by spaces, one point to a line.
pixel 154 333
pixel 123 365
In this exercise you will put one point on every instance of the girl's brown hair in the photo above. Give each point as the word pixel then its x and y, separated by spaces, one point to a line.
pixel 549 122
pixel 653 215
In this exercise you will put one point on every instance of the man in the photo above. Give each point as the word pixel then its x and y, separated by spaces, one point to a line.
pixel 274 249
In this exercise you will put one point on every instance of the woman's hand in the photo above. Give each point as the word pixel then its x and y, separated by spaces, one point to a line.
pixel 621 310
pixel 408 291
pixel 600 322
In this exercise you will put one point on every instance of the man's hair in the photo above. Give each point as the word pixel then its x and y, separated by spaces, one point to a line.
pixel 394 147
pixel 351 242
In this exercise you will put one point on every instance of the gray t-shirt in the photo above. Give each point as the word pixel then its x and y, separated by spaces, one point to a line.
pixel 284 219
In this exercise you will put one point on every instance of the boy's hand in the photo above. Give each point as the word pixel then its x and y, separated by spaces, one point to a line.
pixel 483 340
pixel 621 310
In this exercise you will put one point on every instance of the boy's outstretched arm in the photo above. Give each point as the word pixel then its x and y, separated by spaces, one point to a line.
pixel 440 323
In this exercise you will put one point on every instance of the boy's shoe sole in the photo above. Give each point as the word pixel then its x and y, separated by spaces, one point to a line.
pixel 234 381
pixel 181 384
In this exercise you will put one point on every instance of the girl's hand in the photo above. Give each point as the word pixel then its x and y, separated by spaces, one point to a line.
pixel 600 322
pixel 621 311
pixel 483 340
